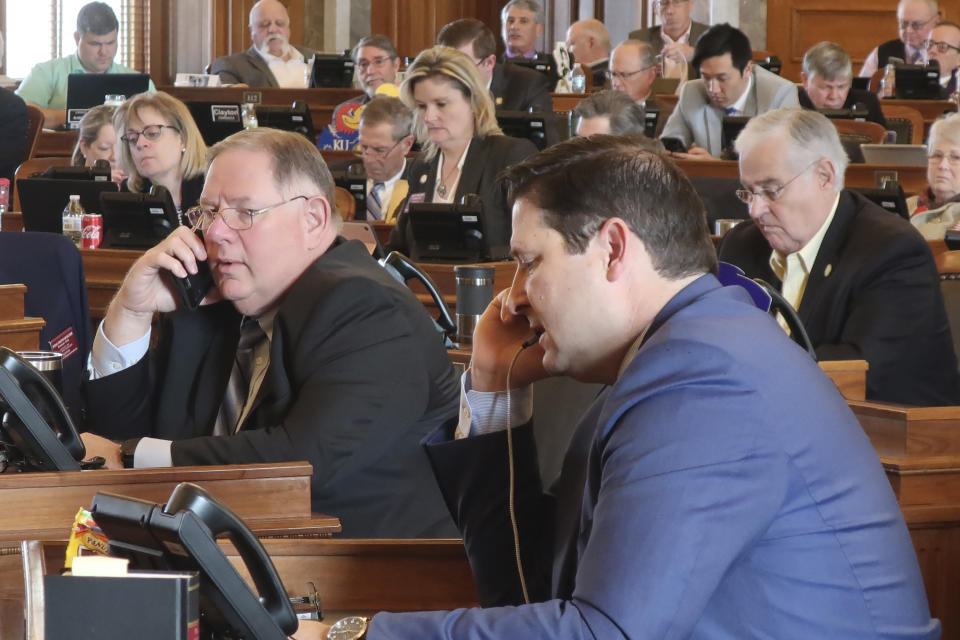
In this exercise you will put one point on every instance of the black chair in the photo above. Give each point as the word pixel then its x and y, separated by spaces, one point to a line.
pixel 51 267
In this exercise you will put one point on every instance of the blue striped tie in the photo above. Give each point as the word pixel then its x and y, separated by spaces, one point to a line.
pixel 374 203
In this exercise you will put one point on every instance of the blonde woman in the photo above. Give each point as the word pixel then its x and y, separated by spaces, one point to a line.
pixel 98 141
pixel 463 147
pixel 160 144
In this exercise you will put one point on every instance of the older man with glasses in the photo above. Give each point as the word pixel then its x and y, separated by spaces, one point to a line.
pixel 303 349
pixel 674 38
pixel 944 47
pixel 915 20
pixel 386 137
pixel 861 279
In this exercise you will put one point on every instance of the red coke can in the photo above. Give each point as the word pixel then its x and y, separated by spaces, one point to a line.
pixel 92 231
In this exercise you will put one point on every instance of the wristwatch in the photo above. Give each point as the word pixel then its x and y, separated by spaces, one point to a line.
pixel 351 628
pixel 127 449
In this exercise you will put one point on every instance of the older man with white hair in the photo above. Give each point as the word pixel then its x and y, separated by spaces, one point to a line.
pixel 915 20
pixel 589 43
pixel 271 61
pixel 861 279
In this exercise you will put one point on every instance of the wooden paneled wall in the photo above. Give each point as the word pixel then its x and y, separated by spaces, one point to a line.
pixel 413 24
pixel 231 24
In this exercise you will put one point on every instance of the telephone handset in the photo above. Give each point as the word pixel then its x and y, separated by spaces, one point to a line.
pixel 192 289
pixel 36 431
pixel 181 535
pixel 402 268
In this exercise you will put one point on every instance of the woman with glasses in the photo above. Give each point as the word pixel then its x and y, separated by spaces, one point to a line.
pixel 937 209
pixel 463 147
pixel 161 145
pixel 98 141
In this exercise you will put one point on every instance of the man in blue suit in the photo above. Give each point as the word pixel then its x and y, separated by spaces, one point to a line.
pixel 719 487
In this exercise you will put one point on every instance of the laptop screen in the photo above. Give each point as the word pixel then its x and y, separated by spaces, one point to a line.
pixel 87 90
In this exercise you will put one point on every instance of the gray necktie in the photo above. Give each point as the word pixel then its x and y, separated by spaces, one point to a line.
pixel 244 368
pixel 374 202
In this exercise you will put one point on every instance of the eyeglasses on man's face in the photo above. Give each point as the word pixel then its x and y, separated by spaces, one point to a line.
pixel 377 153
pixel 237 218
pixel 623 75
pixel 915 25
pixel 363 64
pixel 770 195
pixel 939 45
pixel 150 132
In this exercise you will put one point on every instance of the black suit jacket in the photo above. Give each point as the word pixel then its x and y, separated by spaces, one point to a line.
pixel 855 96
pixel 873 293
pixel 516 88
pixel 653 37
pixel 486 157
pixel 13 134
pixel 357 376
pixel 249 68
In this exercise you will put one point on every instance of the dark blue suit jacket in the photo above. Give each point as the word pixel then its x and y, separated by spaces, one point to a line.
pixel 720 488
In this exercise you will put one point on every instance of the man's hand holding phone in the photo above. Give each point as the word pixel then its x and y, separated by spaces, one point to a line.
pixel 146 289
pixel 497 338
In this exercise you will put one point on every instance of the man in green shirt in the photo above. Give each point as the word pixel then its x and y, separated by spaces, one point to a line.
pixel 96 37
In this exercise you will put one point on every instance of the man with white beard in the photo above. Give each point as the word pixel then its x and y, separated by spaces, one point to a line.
pixel 271 61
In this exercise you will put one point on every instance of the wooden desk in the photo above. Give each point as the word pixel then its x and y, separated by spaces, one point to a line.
pixel 54 144
pixel 16 331
pixel 919 448
pixel 43 505
pixel 913 179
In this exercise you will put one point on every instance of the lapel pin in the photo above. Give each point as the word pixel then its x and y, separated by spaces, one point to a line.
pixel 423 179
pixel 828 271
pixel 499 99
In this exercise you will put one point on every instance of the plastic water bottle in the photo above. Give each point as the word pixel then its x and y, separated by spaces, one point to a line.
pixel 4 194
pixel 888 86
pixel 73 220
pixel 249 116
pixel 578 79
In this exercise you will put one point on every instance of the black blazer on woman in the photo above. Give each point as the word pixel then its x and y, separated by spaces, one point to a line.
pixel 486 158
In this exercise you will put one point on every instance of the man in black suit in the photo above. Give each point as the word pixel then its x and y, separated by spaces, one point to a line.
pixel 271 61
pixel 349 376
pixel 13 133
pixel 588 41
pixel 827 77
pixel 512 87
pixel 674 38
pixel 863 280
pixel 944 47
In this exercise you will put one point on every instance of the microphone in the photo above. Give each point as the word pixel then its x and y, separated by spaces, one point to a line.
pixel 532 340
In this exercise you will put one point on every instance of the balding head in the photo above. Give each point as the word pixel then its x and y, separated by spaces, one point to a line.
pixel 270 26
pixel 588 41
pixel 633 69
pixel 915 20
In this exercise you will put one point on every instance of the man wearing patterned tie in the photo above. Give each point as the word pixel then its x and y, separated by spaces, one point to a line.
pixel 861 279
pixel 350 376
pixel 915 20
pixel 729 84
pixel 386 137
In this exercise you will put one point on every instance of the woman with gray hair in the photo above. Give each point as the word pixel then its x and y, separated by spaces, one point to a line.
pixel 937 209
pixel 463 147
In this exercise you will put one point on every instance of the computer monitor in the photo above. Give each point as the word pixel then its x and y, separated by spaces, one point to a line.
pixel 36 432
pixel 331 70
pixel 541 65
pixel 651 117
pixel 918 82
pixel 87 90
pixel 906 155
pixel 524 124
pixel 729 130
pixel 890 198
pixel 181 536
pixel 451 232
pixel 861 83
pixel 137 220
pixel 216 120
pixel 99 172
pixel 294 118
pixel 43 199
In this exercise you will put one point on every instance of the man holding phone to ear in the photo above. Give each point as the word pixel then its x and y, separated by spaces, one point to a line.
pixel 306 349
pixel 719 486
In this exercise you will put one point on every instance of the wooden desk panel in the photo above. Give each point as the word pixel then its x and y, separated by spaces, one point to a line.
pixel 43 505
pixel 16 331
pixel 929 109
pixel 898 430
pixel 55 144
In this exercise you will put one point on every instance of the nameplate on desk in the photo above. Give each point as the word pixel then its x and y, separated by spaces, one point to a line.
pixel 254 97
